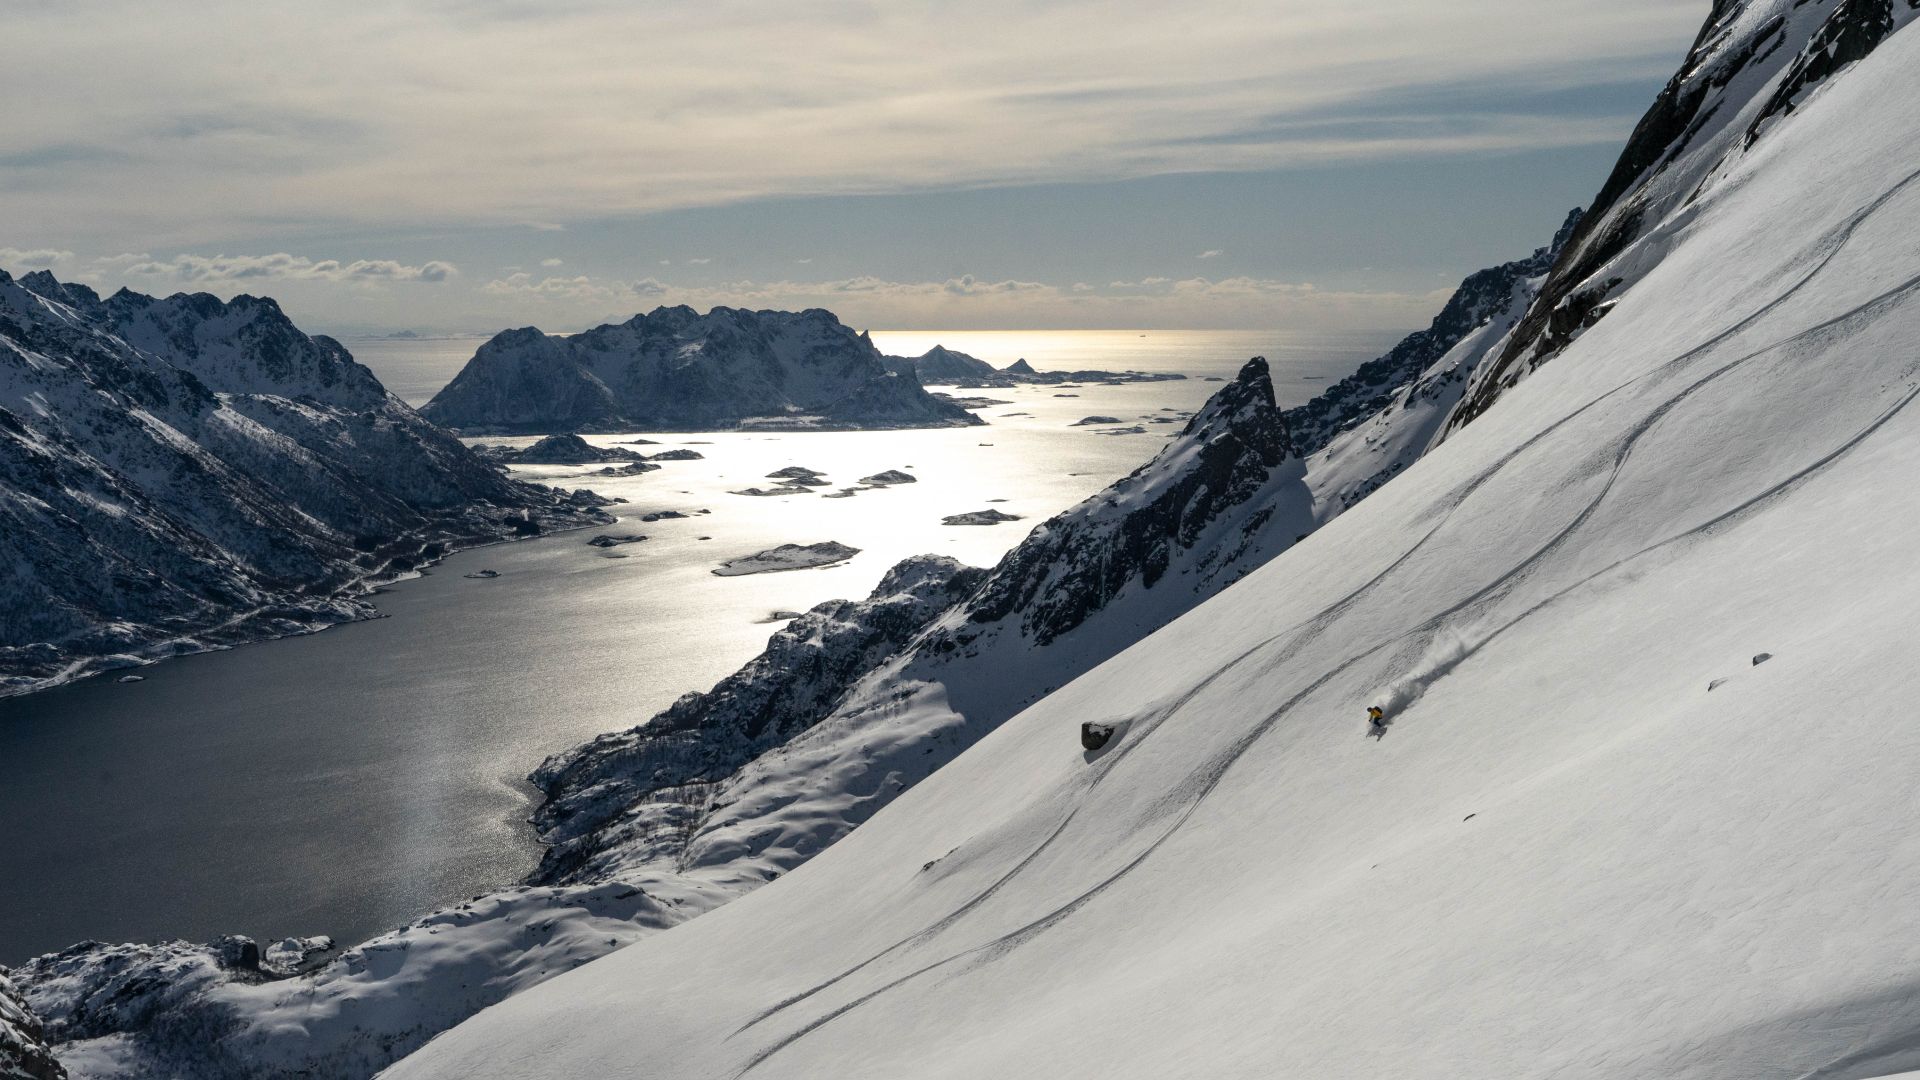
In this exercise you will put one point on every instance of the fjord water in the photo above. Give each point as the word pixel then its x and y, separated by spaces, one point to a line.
pixel 346 782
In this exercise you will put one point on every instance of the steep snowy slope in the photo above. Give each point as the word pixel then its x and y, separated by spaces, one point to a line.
pixel 184 472
pixel 1567 857
pixel 677 370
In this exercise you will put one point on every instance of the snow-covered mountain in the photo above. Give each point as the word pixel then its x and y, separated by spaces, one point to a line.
pixel 1638 628
pixel 184 472
pixel 732 788
pixel 675 369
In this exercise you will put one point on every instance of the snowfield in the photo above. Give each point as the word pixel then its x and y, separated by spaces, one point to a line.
pixel 1566 858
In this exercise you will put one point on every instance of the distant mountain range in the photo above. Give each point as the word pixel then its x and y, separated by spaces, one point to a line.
pixel 941 366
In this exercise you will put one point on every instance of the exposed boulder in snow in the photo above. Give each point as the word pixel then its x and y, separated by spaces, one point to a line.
pixel 889 478
pixel 185 472
pixel 677 370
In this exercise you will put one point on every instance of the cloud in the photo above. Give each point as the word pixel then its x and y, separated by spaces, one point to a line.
pixel 282 266
pixel 552 262
pixel 969 301
pixel 424 112
pixel 34 259
pixel 1211 253
pixel 699 262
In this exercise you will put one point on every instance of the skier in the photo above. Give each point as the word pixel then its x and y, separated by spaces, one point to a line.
pixel 1376 722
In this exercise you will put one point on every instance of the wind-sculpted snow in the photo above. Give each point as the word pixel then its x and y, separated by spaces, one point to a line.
pixel 677 370
pixel 184 473
pixel 1754 63
pixel 1565 859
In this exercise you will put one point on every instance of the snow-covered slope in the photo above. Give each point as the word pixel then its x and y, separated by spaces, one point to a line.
pixel 184 472
pixel 677 370
pixel 1567 857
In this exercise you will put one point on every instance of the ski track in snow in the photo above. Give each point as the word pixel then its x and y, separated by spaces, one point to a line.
pixel 1439 661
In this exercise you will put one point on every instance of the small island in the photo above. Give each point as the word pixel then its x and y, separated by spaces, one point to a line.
pixel 787 557
pixel 979 517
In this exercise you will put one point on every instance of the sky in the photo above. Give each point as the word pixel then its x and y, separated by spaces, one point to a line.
pixel 467 165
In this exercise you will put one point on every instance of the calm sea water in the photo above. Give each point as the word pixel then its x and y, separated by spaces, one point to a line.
pixel 346 782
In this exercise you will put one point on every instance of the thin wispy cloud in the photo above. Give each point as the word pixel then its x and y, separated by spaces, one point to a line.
pixel 569 302
pixel 1211 253
pixel 211 269
pixel 35 259
pixel 442 112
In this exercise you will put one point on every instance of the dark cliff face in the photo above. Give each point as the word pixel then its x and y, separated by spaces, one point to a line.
pixel 1377 383
pixel 1076 563
pixel 675 369
pixel 1736 61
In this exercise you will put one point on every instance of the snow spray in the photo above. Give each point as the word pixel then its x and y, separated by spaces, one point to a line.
pixel 1447 650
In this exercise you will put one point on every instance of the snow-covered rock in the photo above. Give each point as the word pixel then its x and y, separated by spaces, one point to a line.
pixel 182 473
pixel 1565 858
pixel 677 370
pixel 24 1054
